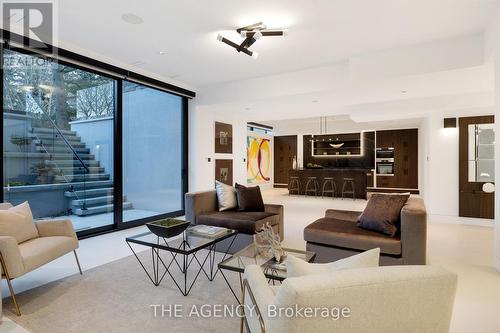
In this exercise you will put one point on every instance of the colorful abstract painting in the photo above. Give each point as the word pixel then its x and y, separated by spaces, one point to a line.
pixel 258 160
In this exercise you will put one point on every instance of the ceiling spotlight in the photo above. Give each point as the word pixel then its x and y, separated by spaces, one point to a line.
pixel 162 52
pixel 251 33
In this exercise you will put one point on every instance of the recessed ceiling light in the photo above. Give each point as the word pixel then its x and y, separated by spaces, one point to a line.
pixel 162 52
pixel 315 101
pixel 404 91
pixel 132 18
pixel 247 108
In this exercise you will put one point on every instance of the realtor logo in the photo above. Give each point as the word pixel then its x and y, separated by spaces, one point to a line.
pixel 34 20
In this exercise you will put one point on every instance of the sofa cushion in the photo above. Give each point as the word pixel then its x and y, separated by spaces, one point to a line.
pixel 382 213
pixel 18 222
pixel 298 267
pixel 226 196
pixel 39 251
pixel 244 222
pixel 249 198
pixel 345 233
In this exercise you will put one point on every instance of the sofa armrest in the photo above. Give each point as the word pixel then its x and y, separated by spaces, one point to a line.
pixel 5 205
pixel 414 232
pixel 200 202
pixel 346 215
pixel 11 256
pixel 256 292
pixel 280 211
pixel 48 228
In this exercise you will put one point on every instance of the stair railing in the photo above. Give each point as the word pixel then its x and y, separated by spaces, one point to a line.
pixel 73 151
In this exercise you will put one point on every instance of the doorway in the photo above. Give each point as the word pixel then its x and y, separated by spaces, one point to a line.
pixel 285 150
pixel 476 167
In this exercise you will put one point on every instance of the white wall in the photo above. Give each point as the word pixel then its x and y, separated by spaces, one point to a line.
pixel 441 167
pixel 202 147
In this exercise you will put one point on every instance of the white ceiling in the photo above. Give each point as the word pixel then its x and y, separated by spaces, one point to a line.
pixel 321 32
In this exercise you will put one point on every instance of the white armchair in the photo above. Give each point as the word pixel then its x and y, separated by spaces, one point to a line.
pixel 55 239
pixel 410 299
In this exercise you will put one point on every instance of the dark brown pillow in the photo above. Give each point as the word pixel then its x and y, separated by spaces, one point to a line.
pixel 249 199
pixel 382 213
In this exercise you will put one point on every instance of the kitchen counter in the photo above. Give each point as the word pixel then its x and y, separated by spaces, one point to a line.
pixel 338 174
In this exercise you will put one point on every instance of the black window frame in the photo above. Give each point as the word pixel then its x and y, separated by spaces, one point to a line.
pixel 119 75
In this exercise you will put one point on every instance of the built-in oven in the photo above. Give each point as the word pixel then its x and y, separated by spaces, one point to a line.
pixel 385 161
pixel 387 152
pixel 385 168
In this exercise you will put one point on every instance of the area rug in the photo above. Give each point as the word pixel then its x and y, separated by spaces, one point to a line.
pixel 119 297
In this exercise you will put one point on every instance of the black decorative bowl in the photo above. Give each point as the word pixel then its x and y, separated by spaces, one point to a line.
pixel 167 227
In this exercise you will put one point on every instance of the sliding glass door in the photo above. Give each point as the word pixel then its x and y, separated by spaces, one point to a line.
pixel 152 152
pixel 58 139
pixel 97 149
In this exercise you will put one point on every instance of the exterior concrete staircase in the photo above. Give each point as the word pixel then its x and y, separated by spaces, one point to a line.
pixel 90 192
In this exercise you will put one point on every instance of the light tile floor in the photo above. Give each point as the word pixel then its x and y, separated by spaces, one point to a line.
pixel 464 249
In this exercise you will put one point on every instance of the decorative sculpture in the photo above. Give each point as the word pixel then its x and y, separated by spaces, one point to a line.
pixel 268 244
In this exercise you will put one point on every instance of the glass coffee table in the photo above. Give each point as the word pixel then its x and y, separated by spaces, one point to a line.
pixel 250 256
pixel 181 251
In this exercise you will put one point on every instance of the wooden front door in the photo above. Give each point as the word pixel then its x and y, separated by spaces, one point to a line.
pixel 476 166
pixel 285 149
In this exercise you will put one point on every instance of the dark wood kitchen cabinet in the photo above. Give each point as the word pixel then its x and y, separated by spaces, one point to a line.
pixel 405 144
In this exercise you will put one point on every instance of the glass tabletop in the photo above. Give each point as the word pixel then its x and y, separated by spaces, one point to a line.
pixel 250 256
pixel 185 243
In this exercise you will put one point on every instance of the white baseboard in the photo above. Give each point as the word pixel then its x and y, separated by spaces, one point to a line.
pixel 434 218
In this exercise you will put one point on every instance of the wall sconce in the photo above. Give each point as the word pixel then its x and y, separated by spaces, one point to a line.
pixel 450 122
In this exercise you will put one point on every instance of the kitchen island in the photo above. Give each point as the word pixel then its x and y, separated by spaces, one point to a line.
pixel 359 175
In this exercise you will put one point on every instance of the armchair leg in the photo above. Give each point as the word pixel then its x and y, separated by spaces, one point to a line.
pixel 7 277
pixel 78 262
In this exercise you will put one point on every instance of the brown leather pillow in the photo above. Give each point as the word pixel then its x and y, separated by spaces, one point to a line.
pixel 382 213
pixel 249 198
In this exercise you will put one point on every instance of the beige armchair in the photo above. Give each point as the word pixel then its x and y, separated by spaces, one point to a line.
pixel 410 299
pixel 55 239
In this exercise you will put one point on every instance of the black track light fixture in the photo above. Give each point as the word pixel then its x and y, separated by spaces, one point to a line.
pixel 251 33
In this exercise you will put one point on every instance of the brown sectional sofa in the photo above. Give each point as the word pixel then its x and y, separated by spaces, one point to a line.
pixel 336 236
pixel 202 208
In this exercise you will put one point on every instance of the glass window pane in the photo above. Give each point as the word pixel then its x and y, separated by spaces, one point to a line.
pixel 58 140
pixel 152 152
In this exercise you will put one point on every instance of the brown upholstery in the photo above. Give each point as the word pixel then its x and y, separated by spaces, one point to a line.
pixel 346 234
pixel 202 208
pixel 244 222
pixel 336 236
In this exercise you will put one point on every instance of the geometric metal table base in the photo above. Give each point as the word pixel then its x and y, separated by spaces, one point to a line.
pixel 269 280
pixel 183 263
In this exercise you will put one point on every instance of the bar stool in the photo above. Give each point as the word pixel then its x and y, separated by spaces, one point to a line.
pixel 348 182
pixel 293 185
pixel 315 186
pixel 329 181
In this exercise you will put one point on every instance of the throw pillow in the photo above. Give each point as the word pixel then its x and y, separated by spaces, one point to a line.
pixel 249 199
pixel 298 267
pixel 382 213
pixel 18 222
pixel 226 196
